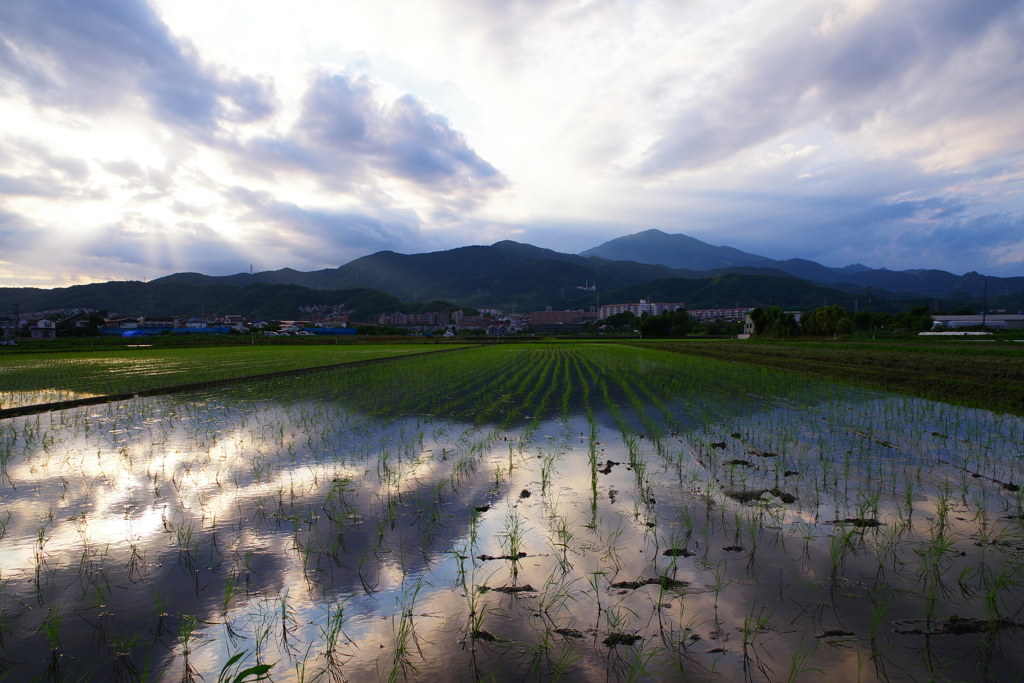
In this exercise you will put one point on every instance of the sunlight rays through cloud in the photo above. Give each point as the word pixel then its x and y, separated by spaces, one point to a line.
pixel 188 136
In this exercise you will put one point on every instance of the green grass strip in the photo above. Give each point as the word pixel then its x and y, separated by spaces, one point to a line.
pixel 990 378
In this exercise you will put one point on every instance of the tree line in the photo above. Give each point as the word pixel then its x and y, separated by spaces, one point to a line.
pixel 772 321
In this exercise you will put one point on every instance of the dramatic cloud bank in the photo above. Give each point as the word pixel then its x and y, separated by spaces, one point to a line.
pixel 138 138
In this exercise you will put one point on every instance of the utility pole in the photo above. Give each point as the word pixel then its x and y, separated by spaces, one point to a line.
pixel 867 297
pixel 984 302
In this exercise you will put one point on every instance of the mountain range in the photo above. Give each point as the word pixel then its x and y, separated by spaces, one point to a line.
pixel 683 251
pixel 511 275
pixel 477 273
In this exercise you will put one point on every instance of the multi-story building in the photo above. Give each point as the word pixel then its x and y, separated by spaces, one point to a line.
pixel 729 315
pixel 43 328
pixel 561 317
pixel 336 321
pixel 650 308
pixel 236 322
pixel 121 323
pixel 8 327
pixel 159 323
pixel 493 326
pixel 413 320
pixel 461 319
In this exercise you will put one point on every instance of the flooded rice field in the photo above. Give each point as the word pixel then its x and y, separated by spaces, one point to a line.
pixel 548 512
pixel 33 378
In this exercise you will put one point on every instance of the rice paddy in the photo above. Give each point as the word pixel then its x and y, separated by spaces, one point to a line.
pixel 47 378
pixel 507 513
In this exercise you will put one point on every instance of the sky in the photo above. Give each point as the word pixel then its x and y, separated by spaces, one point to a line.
pixel 141 138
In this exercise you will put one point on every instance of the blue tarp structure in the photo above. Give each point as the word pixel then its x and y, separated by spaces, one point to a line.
pixel 153 331
pixel 134 333
pixel 331 330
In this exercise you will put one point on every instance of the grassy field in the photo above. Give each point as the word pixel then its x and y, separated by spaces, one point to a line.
pixel 27 379
pixel 974 374
pixel 190 341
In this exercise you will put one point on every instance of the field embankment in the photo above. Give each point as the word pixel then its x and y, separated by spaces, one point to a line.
pixel 971 374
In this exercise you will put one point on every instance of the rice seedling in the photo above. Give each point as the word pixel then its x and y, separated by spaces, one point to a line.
pixel 232 671
pixel 190 640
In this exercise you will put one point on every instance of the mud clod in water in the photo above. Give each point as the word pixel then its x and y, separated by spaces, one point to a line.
pixel 483 508
pixel 719 444
pixel 487 636
pixel 676 552
pixel 570 632
pixel 663 581
pixel 608 465
pixel 744 463
pixel 748 495
pixel 859 522
pixel 525 493
pixel 525 588
pixel 954 626
pixel 486 558
pixel 734 549
pixel 613 639
pixel 790 473
pixel 835 633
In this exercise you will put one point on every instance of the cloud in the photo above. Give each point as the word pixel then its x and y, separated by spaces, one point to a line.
pixel 38 171
pixel 77 73
pixel 973 238
pixel 140 244
pixel 323 237
pixel 14 231
pixel 348 132
pixel 32 186
pixel 853 130
pixel 98 55
pixel 930 232
pixel 907 60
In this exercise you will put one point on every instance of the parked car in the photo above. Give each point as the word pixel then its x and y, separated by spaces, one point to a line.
pixel 271 334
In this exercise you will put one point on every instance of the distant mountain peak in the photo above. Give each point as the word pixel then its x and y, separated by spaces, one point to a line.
pixel 676 251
